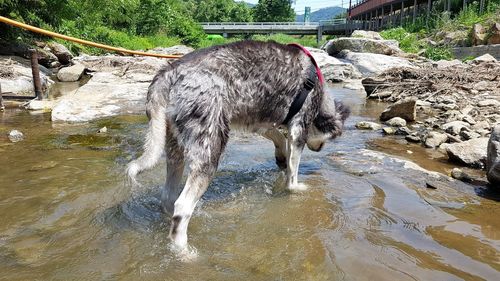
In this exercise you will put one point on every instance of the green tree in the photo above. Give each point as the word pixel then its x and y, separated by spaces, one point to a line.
pixel 274 11
pixel 241 12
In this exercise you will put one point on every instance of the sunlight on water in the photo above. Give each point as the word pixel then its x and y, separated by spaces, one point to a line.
pixel 68 214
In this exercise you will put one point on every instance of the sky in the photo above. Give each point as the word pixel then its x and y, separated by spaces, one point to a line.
pixel 314 4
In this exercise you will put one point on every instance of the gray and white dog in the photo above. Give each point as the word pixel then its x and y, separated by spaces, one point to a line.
pixel 194 102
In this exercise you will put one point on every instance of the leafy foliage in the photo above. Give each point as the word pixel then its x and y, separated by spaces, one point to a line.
pixel 274 11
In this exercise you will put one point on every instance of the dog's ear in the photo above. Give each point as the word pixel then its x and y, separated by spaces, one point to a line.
pixel 331 117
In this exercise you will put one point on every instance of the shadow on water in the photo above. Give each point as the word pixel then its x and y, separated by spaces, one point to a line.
pixel 68 214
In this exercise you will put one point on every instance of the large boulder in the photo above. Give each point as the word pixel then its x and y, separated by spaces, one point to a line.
pixel 405 109
pixel 62 53
pixel 362 45
pixel 120 87
pixel 470 153
pixel 366 34
pixel 16 76
pixel 373 64
pixel 45 57
pixel 484 58
pixel 478 34
pixel 333 69
pixel 494 34
pixel 71 74
pixel 493 157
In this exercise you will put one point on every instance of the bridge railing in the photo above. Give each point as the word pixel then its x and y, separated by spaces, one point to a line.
pixel 323 22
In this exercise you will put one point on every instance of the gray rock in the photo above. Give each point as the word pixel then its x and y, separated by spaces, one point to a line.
pixel 435 139
pixel 62 53
pixel 493 157
pixel 468 135
pixel 484 58
pixel 372 64
pixel 469 119
pixel 413 138
pixel 16 136
pixel 458 174
pixel 396 122
pixel 16 76
pixel 71 74
pixel 455 127
pixel 482 125
pixel 366 34
pixel 45 57
pixel 380 94
pixel 362 45
pixel 333 69
pixel 403 131
pixel 489 102
pixel 388 131
pixel 366 125
pixel 441 64
pixel 404 109
pixel 174 50
pixel 471 152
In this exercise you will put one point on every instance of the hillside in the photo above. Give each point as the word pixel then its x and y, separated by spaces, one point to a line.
pixel 322 14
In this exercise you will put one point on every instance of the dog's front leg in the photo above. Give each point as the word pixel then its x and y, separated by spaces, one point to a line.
pixel 296 143
pixel 280 146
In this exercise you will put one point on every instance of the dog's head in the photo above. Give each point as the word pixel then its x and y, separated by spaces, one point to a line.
pixel 328 124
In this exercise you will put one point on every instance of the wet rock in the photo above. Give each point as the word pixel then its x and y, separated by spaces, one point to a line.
pixel 44 165
pixel 380 94
pixel 396 122
pixel 405 109
pixel 366 125
pixel 484 58
pixel 174 50
pixel 435 139
pixel 471 152
pixel 362 45
pixel 16 136
pixel 372 64
pixel 71 74
pixel 333 69
pixel 455 127
pixel 493 157
pixel 388 131
pixel 494 34
pixel 413 138
pixel 489 102
pixel 102 130
pixel 45 105
pixel 402 131
pixel 458 174
pixel 62 53
pixel 366 34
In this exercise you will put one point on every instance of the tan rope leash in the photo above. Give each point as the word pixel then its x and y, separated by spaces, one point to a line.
pixel 81 41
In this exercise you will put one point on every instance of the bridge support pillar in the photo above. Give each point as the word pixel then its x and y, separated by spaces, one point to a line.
pixel 225 35
pixel 319 36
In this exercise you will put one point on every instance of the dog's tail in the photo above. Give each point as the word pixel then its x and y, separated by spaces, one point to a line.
pixel 154 144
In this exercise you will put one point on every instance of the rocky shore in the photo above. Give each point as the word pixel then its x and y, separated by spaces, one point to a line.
pixel 449 106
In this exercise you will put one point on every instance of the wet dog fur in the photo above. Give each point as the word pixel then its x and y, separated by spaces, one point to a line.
pixel 194 102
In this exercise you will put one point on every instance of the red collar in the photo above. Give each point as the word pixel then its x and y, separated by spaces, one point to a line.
pixel 318 71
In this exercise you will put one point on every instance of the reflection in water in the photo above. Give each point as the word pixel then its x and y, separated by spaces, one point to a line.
pixel 68 214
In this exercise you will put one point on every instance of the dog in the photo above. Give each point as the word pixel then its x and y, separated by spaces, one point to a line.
pixel 194 102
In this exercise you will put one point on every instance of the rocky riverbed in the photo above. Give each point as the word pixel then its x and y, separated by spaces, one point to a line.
pixel 449 106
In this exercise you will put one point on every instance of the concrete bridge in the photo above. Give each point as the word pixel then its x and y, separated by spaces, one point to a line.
pixel 334 27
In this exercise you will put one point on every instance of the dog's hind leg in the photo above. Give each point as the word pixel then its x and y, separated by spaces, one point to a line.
pixel 280 146
pixel 175 169
pixel 296 142
pixel 203 157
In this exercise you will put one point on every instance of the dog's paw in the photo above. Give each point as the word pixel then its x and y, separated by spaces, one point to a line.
pixel 298 187
pixel 185 254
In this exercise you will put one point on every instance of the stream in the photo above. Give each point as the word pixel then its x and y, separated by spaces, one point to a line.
pixel 68 213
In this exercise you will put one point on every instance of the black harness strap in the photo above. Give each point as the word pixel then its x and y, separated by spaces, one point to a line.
pixel 299 100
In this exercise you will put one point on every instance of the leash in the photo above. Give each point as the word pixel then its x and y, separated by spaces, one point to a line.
pixel 314 76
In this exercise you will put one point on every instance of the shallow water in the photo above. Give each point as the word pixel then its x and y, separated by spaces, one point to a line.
pixel 67 214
